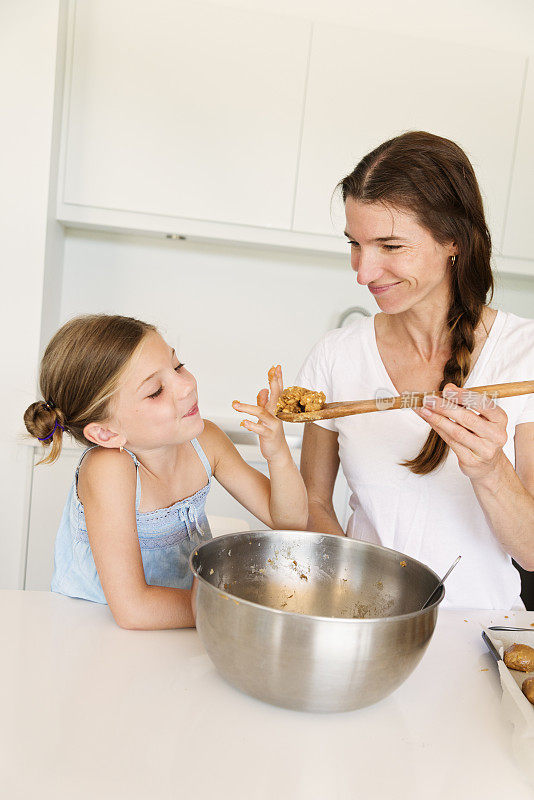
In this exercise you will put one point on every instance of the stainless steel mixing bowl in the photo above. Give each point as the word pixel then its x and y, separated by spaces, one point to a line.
pixel 311 621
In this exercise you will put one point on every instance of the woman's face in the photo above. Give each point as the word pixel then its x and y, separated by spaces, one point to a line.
pixel 395 257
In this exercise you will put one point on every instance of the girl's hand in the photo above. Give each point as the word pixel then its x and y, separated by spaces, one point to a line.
pixel 476 438
pixel 269 428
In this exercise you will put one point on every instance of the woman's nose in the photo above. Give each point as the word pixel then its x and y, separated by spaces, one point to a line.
pixel 365 266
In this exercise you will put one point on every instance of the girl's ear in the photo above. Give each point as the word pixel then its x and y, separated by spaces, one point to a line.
pixel 103 436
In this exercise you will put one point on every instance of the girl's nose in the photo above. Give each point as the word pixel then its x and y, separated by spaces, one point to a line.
pixel 184 385
pixel 366 266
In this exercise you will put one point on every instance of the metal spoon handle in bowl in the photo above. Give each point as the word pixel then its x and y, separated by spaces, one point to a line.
pixel 440 584
pixel 508 628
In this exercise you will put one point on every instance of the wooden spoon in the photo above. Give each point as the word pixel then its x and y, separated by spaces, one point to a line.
pixel 408 400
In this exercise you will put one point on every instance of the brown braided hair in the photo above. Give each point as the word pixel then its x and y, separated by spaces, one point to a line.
pixel 433 178
pixel 80 372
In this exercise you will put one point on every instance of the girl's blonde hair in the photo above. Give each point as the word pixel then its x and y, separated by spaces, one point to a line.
pixel 80 372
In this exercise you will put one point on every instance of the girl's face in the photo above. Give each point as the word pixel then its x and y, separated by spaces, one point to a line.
pixel 395 257
pixel 156 404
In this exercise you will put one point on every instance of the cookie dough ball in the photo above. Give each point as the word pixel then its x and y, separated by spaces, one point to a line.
pixel 297 399
pixel 528 689
pixel 519 657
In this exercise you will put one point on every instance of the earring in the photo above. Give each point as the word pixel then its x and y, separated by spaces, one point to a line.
pixel 453 261
pixel 121 448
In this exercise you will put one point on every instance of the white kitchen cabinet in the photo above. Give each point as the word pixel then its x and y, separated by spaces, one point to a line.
pixel 183 110
pixel 519 231
pixel 366 87
pixel 51 484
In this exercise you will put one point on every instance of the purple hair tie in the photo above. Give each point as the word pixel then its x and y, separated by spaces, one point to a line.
pixel 57 425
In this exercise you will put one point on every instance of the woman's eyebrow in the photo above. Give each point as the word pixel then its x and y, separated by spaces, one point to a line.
pixel 380 238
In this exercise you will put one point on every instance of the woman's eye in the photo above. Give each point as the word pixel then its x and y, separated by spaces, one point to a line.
pixel 179 367
pixel 353 244
pixel 392 246
pixel 156 394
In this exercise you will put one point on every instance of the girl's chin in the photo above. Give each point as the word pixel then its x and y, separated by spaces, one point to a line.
pixel 195 426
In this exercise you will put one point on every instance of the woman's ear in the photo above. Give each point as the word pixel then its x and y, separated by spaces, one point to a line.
pixel 102 435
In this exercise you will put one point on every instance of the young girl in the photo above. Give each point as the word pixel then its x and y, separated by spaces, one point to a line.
pixel 135 511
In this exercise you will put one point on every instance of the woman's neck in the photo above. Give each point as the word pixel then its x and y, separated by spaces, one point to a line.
pixel 423 329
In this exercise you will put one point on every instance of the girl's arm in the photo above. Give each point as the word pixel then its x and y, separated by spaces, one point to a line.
pixel 280 502
pixel 106 487
pixel 319 464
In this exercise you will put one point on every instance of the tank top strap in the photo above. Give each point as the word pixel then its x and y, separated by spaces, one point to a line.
pixel 136 462
pixel 87 450
pixel 203 457
pixel 137 478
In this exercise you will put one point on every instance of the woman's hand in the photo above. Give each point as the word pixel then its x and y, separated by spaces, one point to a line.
pixel 476 438
pixel 269 428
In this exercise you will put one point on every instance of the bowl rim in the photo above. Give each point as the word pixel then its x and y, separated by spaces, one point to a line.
pixel 239 600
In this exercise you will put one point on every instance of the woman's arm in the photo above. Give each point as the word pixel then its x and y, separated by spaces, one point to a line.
pixel 505 495
pixel 106 487
pixel 319 464
pixel 507 498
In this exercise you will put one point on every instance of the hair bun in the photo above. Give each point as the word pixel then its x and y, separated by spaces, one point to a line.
pixel 39 419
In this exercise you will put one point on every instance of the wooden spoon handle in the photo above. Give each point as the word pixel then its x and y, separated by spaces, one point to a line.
pixel 407 400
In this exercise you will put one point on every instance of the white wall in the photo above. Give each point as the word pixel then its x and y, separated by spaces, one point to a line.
pixel 28 63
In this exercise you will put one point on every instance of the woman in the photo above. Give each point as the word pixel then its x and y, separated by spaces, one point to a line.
pixel 448 479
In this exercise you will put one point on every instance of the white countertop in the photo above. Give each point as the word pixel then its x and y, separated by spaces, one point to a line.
pixel 89 710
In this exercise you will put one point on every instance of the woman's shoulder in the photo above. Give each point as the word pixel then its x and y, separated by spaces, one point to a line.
pixel 517 336
pixel 349 336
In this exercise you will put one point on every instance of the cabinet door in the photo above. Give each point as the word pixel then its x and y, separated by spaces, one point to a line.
pixel 186 110
pixel 519 231
pixel 366 87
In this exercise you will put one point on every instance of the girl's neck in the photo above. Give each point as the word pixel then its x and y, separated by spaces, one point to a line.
pixel 160 462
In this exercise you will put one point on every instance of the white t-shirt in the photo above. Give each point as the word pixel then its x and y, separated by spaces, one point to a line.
pixel 436 517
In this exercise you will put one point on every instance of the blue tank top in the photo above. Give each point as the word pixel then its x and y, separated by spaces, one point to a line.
pixel 167 537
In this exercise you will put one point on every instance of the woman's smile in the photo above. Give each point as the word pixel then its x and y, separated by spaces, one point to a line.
pixel 382 288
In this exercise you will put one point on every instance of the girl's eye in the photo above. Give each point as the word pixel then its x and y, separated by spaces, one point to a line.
pixel 156 394
pixel 179 367
pixel 392 246
pixel 353 244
